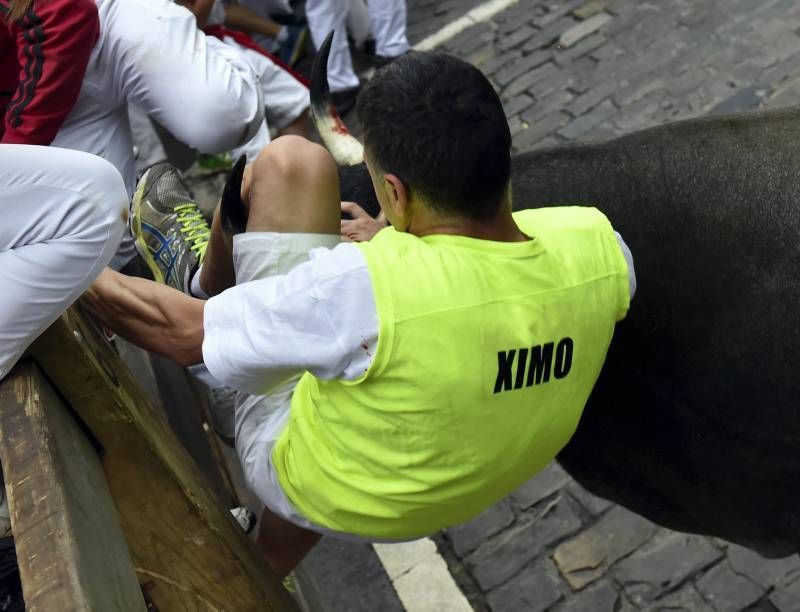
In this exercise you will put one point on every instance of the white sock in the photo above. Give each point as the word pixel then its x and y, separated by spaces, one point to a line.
pixel 194 287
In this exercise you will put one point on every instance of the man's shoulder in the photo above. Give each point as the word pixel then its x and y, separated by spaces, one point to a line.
pixel 342 259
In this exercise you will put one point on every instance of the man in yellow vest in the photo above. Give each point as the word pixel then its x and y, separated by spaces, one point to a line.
pixel 401 385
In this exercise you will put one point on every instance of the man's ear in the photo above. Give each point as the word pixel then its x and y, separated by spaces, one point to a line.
pixel 397 194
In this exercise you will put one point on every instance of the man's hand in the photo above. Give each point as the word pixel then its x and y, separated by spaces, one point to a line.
pixel 361 227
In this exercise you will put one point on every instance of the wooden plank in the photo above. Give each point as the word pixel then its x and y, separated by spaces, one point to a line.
pixel 71 551
pixel 184 543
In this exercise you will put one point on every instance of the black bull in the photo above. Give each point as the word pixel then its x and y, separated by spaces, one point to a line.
pixel 694 422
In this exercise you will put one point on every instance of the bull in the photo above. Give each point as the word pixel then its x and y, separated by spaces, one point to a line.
pixel 694 422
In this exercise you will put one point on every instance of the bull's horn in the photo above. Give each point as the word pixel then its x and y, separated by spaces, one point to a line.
pixel 232 211
pixel 344 148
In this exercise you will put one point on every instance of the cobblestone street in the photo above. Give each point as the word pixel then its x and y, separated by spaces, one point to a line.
pixel 595 69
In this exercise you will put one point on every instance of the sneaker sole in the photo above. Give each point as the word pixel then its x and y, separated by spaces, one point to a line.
pixel 138 233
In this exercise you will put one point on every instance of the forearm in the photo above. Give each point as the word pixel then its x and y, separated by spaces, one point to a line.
pixel 151 315
pixel 242 18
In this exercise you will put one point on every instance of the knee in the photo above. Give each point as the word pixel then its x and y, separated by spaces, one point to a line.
pixel 107 198
pixel 291 159
pixel 293 186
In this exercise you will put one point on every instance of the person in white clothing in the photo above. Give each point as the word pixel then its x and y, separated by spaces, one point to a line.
pixel 151 53
pixel 64 213
pixel 388 23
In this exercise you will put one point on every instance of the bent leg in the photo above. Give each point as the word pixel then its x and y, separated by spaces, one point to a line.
pixel 292 191
pixel 292 187
pixel 64 214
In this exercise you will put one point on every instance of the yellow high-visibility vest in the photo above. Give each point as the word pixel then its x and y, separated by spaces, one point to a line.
pixel 487 352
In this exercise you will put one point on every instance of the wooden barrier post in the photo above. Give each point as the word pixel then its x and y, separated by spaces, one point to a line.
pixel 70 548
pixel 183 542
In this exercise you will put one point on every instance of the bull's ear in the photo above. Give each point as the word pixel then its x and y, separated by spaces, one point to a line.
pixel 232 211
pixel 344 148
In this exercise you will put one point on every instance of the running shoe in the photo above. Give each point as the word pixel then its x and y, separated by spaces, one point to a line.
pixel 171 233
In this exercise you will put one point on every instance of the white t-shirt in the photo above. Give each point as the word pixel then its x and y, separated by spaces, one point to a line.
pixel 320 317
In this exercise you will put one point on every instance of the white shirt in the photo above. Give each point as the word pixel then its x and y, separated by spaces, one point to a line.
pixel 320 317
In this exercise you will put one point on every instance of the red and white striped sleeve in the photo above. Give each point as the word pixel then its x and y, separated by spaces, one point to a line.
pixel 54 39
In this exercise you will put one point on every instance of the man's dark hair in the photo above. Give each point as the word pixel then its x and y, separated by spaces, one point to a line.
pixel 436 122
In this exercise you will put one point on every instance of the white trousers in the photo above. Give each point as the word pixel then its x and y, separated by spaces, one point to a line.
pixel 388 21
pixel 63 214
pixel 151 53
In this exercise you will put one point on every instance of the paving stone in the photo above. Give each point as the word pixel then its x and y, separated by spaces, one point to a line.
pixel 525 64
pixel 580 31
pixel 466 538
pixel 593 7
pixel 786 95
pixel 609 52
pixel 600 597
pixel 663 564
pixel 467 41
pixel 543 485
pixel 634 92
pixel 516 125
pixel 503 556
pixel 565 57
pixel 641 114
pixel 536 132
pixel 493 64
pixel 591 503
pixel 528 80
pixel 766 572
pixel 549 34
pixel 591 98
pixel 557 11
pixel 534 590
pixel 516 38
pixel 585 557
pixel 585 123
pixel 725 590
pixel 745 99
pixel 551 103
pixel 518 104
pixel 686 599
pixel 787 599
pixel 780 72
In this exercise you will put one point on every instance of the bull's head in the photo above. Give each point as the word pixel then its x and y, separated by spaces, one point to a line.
pixel 354 181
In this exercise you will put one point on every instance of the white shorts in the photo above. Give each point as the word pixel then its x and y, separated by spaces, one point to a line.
pixel 63 216
pixel 260 419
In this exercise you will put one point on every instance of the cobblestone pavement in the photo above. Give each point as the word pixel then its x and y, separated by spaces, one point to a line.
pixel 593 69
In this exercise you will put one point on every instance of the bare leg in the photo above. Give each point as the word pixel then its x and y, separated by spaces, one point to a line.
pixel 284 544
pixel 217 273
pixel 293 187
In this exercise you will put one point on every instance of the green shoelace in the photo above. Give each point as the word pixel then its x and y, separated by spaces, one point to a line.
pixel 195 228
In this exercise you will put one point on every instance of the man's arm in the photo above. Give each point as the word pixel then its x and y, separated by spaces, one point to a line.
pixel 153 316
